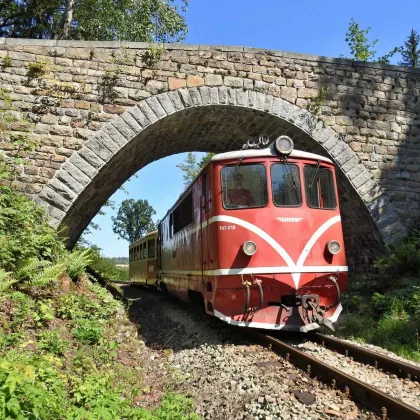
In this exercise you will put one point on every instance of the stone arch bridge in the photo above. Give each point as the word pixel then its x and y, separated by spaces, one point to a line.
pixel 100 111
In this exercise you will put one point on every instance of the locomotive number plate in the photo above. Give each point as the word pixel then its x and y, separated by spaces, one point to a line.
pixel 230 227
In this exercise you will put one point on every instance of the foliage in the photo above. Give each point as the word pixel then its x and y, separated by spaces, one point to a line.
pixel 88 331
pixel 403 258
pixel 191 168
pixel 361 49
pixel 24 232
pixel 77 262
pixel 384 303
pixel 134 219
pixel 58 344
pixel 117 260
pixel 7 61
pixel 73 371
pixel 316 103
pixel 37 69
pixel 105 267
pixel 98 306
pixel 94 20
pixel 410 52
pixel 30 388
pixel 51 341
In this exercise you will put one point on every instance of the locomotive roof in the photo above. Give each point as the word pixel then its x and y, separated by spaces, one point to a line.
pixel 269 151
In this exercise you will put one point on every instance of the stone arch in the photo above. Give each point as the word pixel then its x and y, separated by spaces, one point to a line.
pixel 212 119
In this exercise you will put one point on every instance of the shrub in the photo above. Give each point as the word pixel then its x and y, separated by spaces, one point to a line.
pixel 52 342
pixel 96 305
pixel 30 388
pixel 24 232
pixel 403 258
pixel 88 331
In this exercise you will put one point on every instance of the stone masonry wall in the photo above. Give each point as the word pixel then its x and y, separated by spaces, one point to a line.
pixel 67 93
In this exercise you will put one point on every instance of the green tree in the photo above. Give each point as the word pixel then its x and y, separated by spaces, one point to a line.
pixel 191 167
pixel 410 52
pixel 94 20
pixel 134 219
pixel 361 49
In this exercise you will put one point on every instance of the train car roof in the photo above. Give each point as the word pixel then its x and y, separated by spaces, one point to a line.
pixel 269 151
pixel 144 237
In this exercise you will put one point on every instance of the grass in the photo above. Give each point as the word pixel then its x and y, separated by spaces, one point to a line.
pixel 382 306
pixel 75 356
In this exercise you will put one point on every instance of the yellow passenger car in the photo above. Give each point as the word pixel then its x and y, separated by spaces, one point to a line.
pixel 142 259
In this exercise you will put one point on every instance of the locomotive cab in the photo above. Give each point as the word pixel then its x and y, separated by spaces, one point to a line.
pixel 277 238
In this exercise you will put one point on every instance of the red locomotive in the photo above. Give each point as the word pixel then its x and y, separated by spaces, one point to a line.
pixel 257 239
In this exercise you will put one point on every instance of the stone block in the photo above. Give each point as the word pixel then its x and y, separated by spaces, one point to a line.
pixel 62 189
pixel 234 82
pixel 74 173
pixel 185 98
pixel 113 109
pixel 49 119
pixel 195 81
pixel 92 158
pixel 156 107
pixel 147 112
pixel 52 197
pixel 175 83
pixel 176 100
pixel 289 94
pixel 98 147
pixel 156 86
pixel 61 130
pixel 131 122
pixel 83 165
pixel 213 80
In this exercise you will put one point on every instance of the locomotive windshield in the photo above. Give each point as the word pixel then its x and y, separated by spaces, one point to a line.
pixel 285 183
pixel 319 187
pixel 244 186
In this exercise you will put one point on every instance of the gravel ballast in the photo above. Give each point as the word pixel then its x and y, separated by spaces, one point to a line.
pixel 226 374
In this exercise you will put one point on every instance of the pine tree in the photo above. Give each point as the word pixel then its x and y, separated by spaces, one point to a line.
pixel 410 52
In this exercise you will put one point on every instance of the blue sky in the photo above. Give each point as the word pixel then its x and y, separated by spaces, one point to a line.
pixel 312 27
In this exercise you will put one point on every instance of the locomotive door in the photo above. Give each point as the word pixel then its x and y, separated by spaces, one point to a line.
pixel 206 247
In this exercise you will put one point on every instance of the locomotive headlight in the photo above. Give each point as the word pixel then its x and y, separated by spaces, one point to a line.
pixel 249 248
pixel 333 247
pixel 284 145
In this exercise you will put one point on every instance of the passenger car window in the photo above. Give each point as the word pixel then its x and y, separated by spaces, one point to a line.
pixel 319 188
pixel 151 248
pixel 285 183
pixel 244 186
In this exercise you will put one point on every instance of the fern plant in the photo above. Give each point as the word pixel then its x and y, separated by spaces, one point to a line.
pixel 40 272
pixel 77 261
pixel 6 280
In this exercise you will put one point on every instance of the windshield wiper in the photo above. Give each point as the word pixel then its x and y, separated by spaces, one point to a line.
pixel 311 182
pixel 292 178
pixel 238 162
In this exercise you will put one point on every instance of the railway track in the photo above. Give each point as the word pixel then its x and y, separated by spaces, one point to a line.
pixel 360 354
pixel 386 406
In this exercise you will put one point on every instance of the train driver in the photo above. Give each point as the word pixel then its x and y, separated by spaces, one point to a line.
pixel 238 195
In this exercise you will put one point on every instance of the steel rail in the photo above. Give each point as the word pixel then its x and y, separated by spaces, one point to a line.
pixel 360 354
pixel 368 396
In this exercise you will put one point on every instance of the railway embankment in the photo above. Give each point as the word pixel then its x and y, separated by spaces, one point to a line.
pixel 382 305
pixel 67 348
